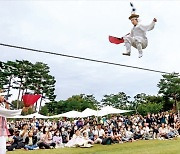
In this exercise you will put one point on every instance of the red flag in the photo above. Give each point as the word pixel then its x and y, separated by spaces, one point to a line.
pixel 30 99
pixel 116 40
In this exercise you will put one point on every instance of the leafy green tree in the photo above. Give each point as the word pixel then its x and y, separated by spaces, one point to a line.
pixel 169 87
pixel 21 104
pixel 167 103
pixel 90 102
pixel 76 102
pixel 143 109
pixel 27 77
pixel 16 75
pixel 41 82
pixel 119 100
pixel 138 100
pixel 44 111
pixel 21 71
pixel 62 107
pixel 80 102
pixel 5 78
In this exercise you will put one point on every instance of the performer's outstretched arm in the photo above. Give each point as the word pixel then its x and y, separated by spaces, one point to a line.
pixel 4 109
pixel 150 26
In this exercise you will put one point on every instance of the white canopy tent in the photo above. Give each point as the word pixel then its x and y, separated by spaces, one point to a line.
pixel 71 114
pixel 36 115
pixel 17 117
pixel 74 114
pixel 89 112
pixel 56 116
pixel 111 110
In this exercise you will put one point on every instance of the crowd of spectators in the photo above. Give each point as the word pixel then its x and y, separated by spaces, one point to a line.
pixel 32 134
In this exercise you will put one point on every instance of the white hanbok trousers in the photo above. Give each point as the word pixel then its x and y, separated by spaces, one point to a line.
pixel 2 144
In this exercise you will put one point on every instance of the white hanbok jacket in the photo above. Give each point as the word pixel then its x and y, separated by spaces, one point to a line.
pixel 9 113
pixel 138 34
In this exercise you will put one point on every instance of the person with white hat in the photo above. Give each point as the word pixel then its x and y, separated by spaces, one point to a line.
pixel 137 38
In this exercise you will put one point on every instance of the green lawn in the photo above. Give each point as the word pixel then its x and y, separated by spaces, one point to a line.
pixel 137 147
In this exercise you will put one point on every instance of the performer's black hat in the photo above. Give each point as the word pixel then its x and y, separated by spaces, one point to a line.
pixel 133 12
pixel 133 16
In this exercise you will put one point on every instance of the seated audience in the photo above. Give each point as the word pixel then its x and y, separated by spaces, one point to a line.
pixel 46 139
pixel 57 138
pixel 30 141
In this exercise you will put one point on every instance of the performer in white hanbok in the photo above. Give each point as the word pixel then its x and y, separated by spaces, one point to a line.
pixel 5 112
pixel 137 37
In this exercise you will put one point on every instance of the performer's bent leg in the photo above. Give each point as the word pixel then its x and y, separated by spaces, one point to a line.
pixel 128 42
pixel 2 145
pixel 128 48
pixel 139 47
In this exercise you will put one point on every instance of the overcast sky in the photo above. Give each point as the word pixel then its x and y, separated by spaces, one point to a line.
pixel 81 28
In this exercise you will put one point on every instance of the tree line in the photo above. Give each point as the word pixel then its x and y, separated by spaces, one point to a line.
pixel 168 98
pixel 26 77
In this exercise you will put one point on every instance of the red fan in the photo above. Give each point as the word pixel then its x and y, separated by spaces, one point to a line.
pixel 116 40
pixel 30 99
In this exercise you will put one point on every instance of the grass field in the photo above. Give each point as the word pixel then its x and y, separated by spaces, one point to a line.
pixel 137 147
